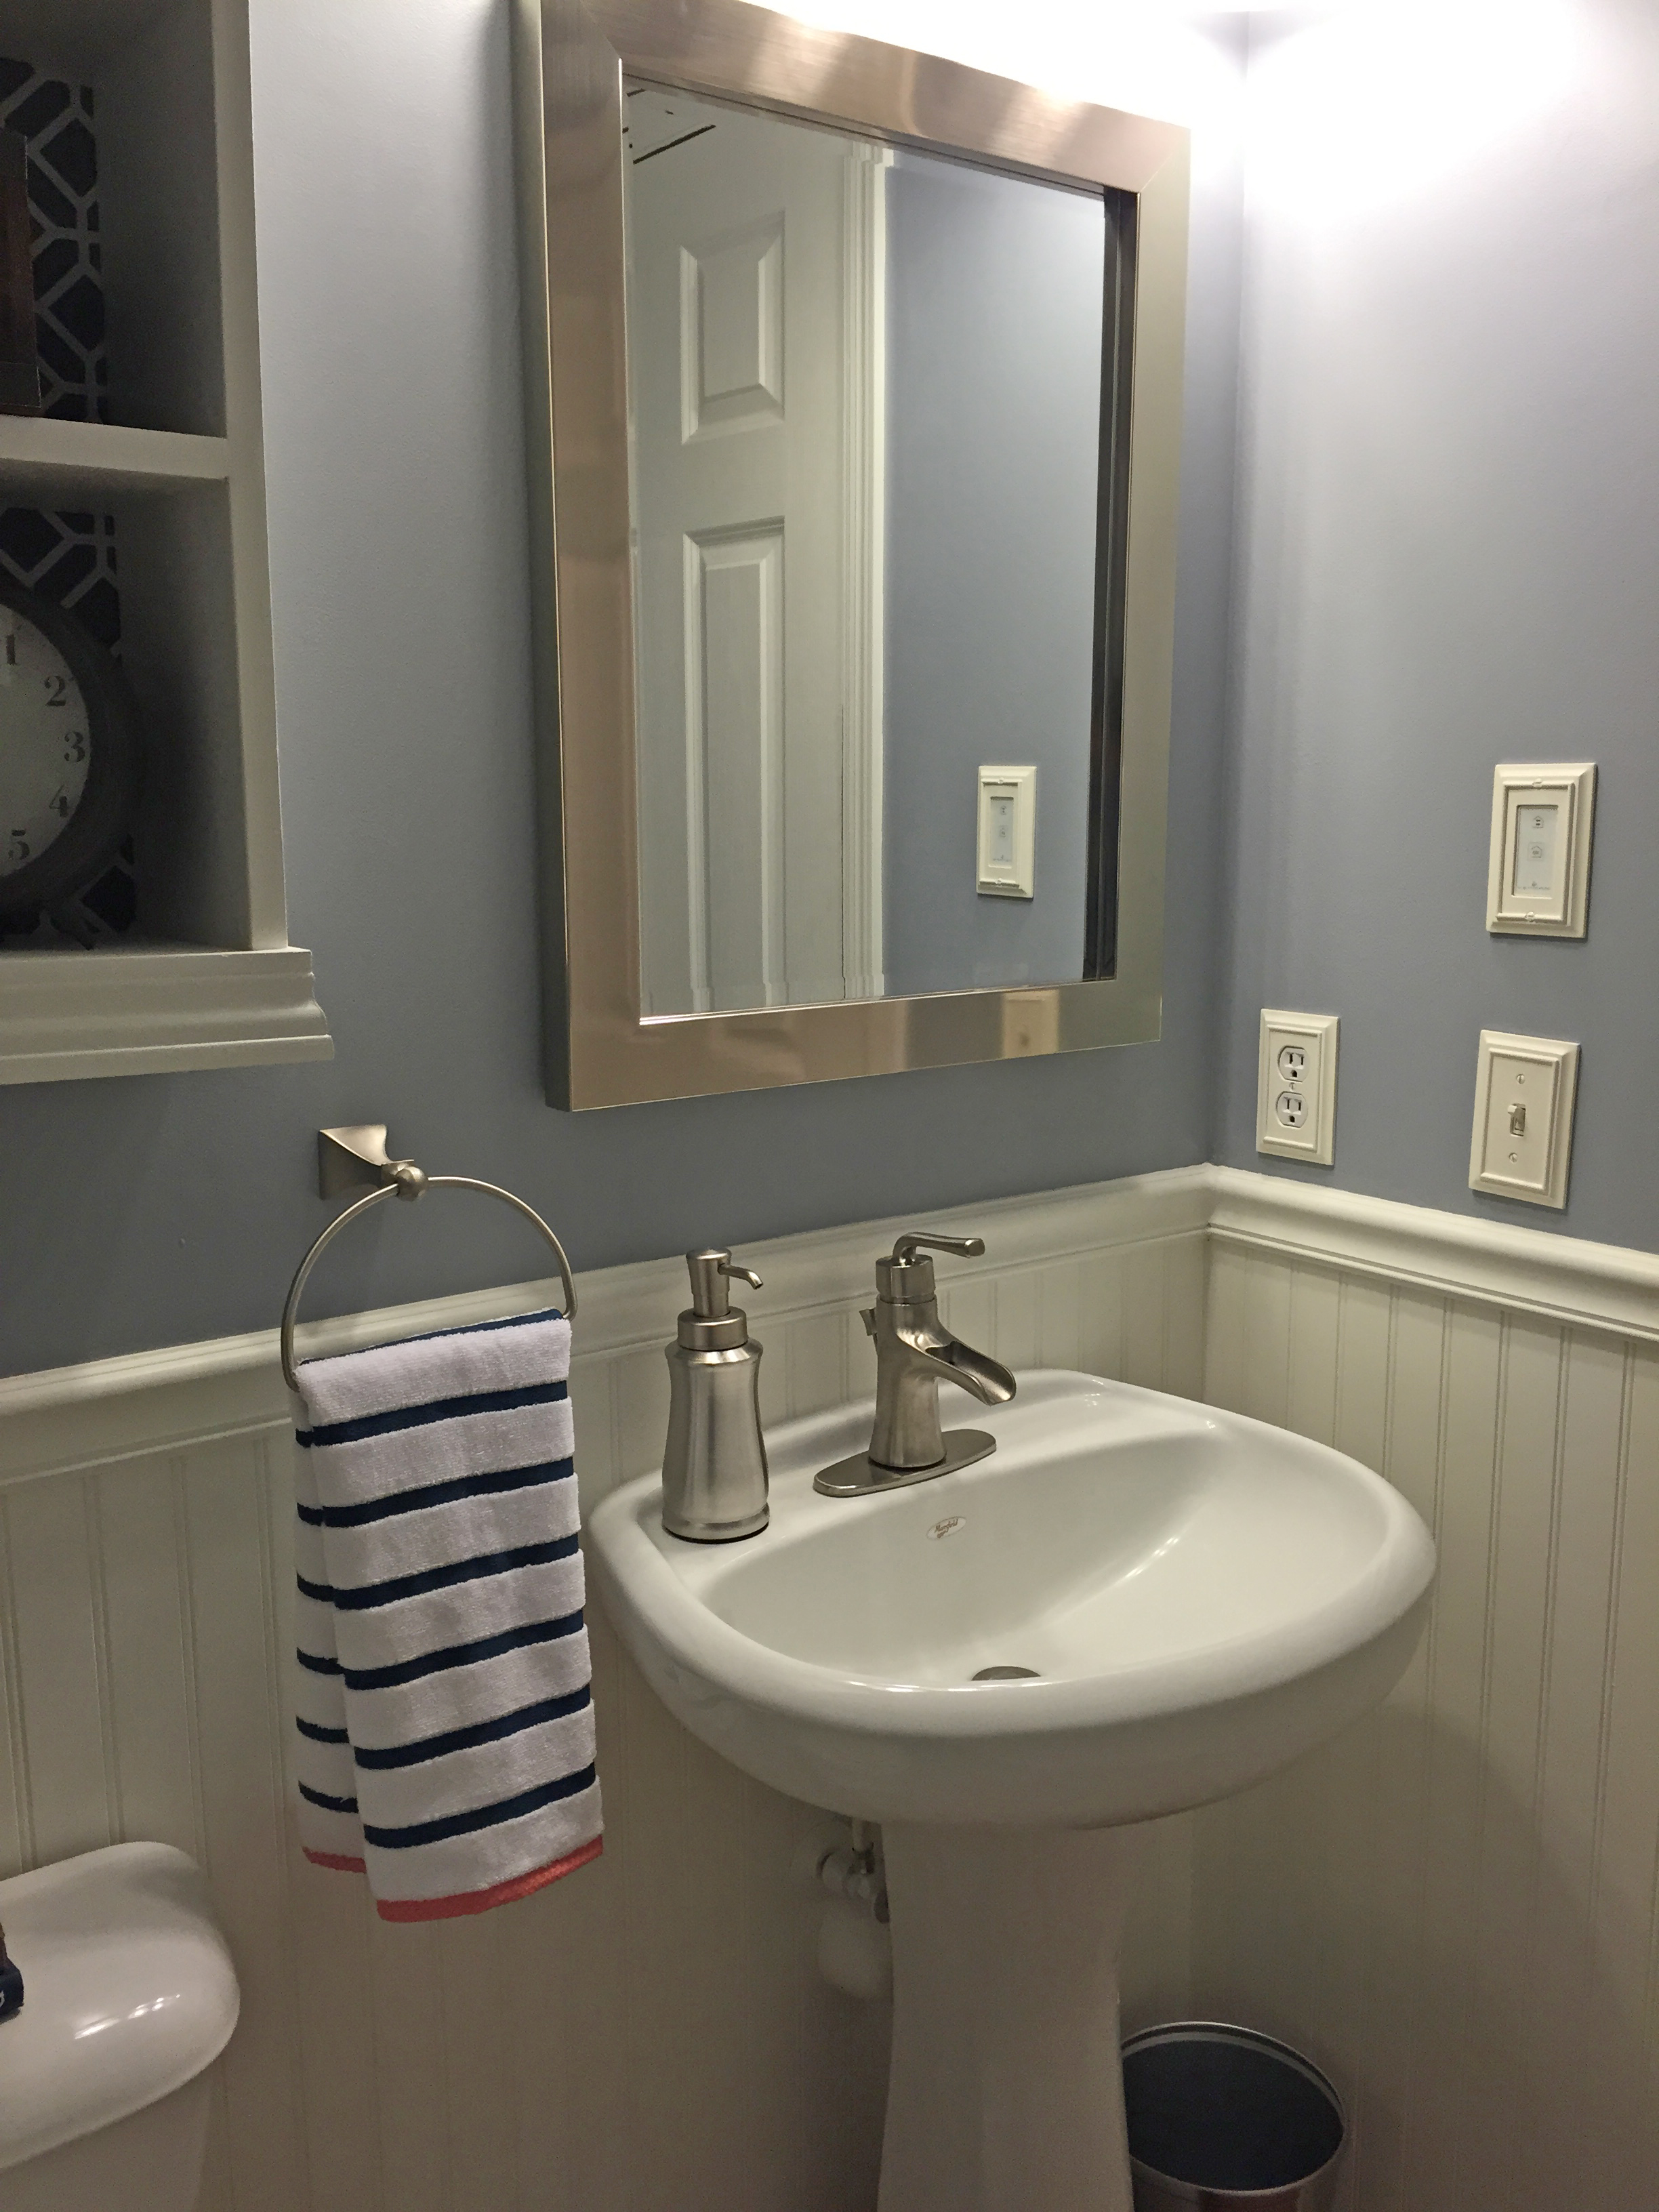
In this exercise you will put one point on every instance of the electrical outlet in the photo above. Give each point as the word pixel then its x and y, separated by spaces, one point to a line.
pixel 1524 1091
pixel 1296 1087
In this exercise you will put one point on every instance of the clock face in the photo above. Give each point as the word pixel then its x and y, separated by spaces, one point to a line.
pixel 45 748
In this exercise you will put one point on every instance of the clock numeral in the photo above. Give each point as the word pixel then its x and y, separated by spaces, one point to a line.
pixel 75 745
pixel 19 848
pixel 57 690
pixel 59 805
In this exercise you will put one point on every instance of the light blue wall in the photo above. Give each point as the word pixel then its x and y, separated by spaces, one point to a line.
pixel 1449 556
pixel 994 330
pixel 154 1210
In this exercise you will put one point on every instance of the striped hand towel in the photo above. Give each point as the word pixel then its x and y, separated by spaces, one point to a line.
pixel 446 1728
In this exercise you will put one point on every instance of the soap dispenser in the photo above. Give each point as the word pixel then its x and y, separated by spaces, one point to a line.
pixel 713 1469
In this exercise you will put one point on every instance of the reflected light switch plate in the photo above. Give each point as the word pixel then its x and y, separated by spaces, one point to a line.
pixel 1524 1091
pixel 1007 833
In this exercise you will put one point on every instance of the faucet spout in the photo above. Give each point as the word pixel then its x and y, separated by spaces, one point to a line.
pixel 985 1378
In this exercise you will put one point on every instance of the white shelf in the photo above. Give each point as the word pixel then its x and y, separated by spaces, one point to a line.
pixel 211 981
pixel 52 463
pixel 152 1010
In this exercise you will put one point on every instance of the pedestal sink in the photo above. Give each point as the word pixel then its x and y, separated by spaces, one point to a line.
pixel 1199 1599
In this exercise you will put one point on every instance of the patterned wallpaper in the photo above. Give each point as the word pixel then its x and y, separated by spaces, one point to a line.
pixel 68 557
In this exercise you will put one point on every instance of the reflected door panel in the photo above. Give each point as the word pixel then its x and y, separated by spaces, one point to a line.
pixel 867 389
pixel 740 331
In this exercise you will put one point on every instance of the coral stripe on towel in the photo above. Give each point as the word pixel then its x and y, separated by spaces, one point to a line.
pixel 444 1712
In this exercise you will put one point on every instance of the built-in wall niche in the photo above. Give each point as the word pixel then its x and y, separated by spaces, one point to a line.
pixel 137 498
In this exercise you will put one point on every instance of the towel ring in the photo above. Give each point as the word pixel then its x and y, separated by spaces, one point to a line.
pixel 395 1179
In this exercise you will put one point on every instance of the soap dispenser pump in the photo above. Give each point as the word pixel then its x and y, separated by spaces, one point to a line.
pixel 714 1468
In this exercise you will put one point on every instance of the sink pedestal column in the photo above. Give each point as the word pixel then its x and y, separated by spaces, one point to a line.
pixel 1007 2093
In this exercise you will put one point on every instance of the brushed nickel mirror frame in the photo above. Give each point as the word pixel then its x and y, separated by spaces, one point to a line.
pixel 570 59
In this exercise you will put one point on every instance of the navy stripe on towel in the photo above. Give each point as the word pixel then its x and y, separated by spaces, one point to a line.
pixel 435 1409
pixel 460 1655
pixel 486 1327
pixel 368 1595
pixel 465 1739
pixel 328 1804
pixel 320 1735
pixel 317 1665
pixel 438 1493
pixel 482 1816
pixel 320 1591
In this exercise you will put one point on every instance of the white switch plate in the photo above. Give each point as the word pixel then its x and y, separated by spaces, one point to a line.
pixel 1524 1090
pixel 1007 832
pixel 1537 866
pixel 1296 1087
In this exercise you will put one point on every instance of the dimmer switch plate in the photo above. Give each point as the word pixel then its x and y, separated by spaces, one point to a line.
pixel 1524 1091
pixel 1007 833
pixel 1538 867
pixel 1296 1087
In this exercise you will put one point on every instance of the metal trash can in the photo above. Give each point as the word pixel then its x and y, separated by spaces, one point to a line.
pixel 1221 2118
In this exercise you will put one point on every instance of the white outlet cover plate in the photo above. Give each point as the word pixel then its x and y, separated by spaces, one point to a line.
pixel 1539 1075
pixel 1538 867
pixel 1296 1087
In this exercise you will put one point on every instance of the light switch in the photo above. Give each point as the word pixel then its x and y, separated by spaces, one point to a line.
pixel 1538 867
pixel 1007 833
pixel 1296 1087
pixel 1524 1092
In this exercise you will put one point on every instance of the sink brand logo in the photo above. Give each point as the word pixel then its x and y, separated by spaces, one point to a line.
pixel 948 1527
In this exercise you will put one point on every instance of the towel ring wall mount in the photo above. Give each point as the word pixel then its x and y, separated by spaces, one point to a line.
pixel 349 1158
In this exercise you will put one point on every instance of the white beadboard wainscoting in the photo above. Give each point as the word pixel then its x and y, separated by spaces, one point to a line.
pixel 650 2035
pixel 1453 1908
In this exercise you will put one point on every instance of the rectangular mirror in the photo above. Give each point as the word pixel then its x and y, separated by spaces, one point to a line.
pixel 853 407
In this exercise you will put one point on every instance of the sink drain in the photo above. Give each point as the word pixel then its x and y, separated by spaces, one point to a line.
pixel 1007 1674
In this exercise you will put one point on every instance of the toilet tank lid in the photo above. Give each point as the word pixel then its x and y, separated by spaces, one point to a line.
pixel 128 1992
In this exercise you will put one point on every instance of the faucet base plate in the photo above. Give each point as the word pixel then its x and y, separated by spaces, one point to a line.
pixel 860 1476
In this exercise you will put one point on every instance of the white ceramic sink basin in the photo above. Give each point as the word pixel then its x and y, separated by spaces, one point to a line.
pixel 1200 1597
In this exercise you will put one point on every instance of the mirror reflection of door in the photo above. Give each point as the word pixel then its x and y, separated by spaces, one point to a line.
pixel 875 521
pixel 757 357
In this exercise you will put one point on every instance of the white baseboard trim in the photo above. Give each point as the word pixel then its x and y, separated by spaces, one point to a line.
pixel 108 1410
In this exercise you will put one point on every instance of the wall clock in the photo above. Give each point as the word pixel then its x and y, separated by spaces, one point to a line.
pixel 72 754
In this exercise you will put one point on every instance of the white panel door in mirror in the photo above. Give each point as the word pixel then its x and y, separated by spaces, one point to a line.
pixel 731 331
pixel 1538 867
pixel 757 513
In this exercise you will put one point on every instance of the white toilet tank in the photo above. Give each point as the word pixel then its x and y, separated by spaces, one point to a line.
pixel 129 1995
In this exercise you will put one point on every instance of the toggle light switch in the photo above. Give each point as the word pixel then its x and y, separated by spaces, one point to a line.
pixel 1524 1092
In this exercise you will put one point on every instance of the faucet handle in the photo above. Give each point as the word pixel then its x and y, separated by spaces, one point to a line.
pixel 965 1248
pixel 908 1274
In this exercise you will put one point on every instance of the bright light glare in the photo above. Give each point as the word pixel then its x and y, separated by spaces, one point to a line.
pixel 1374 101
pixel 1136 54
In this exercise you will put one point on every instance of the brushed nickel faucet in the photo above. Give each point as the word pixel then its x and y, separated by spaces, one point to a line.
pixel 915 1351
